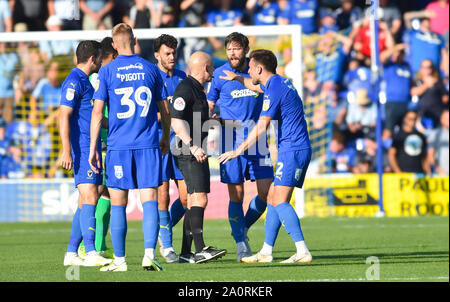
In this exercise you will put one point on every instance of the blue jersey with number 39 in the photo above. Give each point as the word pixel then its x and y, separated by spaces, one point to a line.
pixel 131 86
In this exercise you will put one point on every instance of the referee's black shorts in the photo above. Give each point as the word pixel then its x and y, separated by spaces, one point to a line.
pixel 196 175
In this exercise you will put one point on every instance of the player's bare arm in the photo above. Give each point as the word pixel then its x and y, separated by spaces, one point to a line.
pixel 165 123
pixel 247 82
pixel 180 130
pixel 66 159
pixel 96 124
pixel 257 131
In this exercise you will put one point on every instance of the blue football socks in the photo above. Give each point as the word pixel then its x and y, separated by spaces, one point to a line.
pixel 150 223
pixel 255 210
pixel 165 228
pixel 176 212
pixel 118 225
pixel 290 221
pixel 236 219
pixel 75 235
pixel 87 223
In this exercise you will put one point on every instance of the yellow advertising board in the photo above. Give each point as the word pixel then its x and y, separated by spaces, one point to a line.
pixel 356 195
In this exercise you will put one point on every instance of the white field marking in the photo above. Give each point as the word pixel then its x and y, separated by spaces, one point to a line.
pixel 358 279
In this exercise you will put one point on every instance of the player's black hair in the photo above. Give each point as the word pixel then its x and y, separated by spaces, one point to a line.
pixel 86 49
pixel 168 40
pixel 107 47
pixel 238 38
pixel 266 58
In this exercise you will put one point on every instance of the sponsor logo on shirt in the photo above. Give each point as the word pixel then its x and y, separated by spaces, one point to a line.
pixel 243 93
pixel 131 66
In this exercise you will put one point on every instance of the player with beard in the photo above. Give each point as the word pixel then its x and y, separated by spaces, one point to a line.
pixel 239 112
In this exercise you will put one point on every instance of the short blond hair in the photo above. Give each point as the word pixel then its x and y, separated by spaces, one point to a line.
pixel 122 35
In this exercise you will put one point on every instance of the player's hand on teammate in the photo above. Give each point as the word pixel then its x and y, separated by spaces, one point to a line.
pixel 227 156
pixel 94 161
pixel 199 154
pixel 229 75
pixel 66 160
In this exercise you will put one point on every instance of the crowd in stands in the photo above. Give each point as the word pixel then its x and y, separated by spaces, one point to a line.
pixel 338 89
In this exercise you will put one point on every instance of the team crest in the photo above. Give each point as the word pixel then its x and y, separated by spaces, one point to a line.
pixel 179 104
pixel 89 174
pixel 118 172
pixel 70 93
pixel 298 172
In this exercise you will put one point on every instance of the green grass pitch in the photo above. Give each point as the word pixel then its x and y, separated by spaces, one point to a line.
pixel 408 249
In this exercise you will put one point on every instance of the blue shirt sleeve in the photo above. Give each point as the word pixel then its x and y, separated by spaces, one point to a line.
pixel 213 92
pixel 70 92
pixel 102 89
pixel 271 105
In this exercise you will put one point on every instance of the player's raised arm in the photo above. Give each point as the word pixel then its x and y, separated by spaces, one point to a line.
pixel 64 131
pixel 257 131
pixel 96 124
pixel 247 82
pixel 164 114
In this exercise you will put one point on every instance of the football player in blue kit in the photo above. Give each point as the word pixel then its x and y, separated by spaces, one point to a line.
pixel 239 111
pixel 134 92
pixel 74 123
pixel 281 103
pixel 165 47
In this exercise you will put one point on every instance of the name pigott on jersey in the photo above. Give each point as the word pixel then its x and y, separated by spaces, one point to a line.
pixel 131 76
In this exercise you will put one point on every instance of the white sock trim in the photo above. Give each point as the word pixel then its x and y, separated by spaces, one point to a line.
pixel 266 249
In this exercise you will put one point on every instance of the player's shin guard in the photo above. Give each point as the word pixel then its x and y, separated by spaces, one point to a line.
pixel 165 228
pixel 118 229
pixel 75 235
pixel 289 219
pixel 255 210
pixel 236 219
pixel 271 226
pixel 150 223
pixel 87 222
pixel 196 218
pixel 176 212
pixel 102 216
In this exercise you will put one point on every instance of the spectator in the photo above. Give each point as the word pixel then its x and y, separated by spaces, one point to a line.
pixel 396 86
pixel 140 15
pixel 168 17
pixel 222 17
pixel 361 115
pixel 438 13
pixel 32 72
pixel 67 11
pixel 156 8
pixel 264 12
pixel 46 95
pixel 327 21
pixel 408 152
pixel 8 62
pixel 362 44
pixel 4 141
pixel 339 156
pixel 52 48
pixel 433 97
pixel 6 20
pixel 303 12
pixel 423 44
pixel 30 12
pixel 347 15
pixel 391 15
pixel 438 147
pixel 364 163
pixel 332 50
pixel 97 14
pixel 12 167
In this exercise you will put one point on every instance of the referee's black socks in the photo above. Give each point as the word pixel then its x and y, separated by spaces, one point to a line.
pixel 196 218
pixel 187 233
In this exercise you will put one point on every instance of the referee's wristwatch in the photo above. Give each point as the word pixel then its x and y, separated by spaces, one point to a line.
pixel 191 143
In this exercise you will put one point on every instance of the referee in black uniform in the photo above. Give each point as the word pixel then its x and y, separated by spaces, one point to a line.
pixel 189 109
